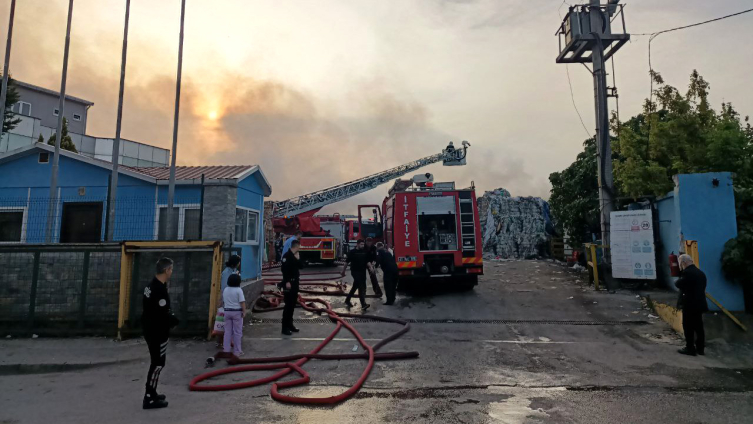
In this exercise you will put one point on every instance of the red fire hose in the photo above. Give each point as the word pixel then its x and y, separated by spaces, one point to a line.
pixel 286 367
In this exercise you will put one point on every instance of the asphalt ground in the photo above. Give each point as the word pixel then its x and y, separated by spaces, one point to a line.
pixel 529 344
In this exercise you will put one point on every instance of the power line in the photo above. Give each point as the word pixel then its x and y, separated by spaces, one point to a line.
pixel 572 97
pixel 569 82
pixel 654 34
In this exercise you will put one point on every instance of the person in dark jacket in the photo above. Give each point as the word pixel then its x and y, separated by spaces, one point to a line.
pixel 371 257
pixel 386 261
pixel 692 301
pixel 291 275
pixel 358 260
pixel 157 320
pixel 278 247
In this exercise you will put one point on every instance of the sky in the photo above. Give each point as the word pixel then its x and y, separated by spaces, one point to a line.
pixel 321 92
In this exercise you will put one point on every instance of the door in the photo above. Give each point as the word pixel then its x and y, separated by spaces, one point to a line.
pixel 81 223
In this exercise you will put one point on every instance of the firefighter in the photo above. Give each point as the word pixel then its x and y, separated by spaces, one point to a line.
pixel 358 261
pixel 157 320
pixel 291 274
pixel 386 261
pixel 371 257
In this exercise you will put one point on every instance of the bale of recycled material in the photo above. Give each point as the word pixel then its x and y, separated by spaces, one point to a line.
pixel 514 227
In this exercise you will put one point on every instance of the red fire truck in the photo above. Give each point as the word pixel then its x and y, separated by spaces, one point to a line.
pixel 434 231
pixel 318 244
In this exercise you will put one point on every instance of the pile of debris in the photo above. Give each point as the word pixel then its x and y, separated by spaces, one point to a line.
pixel 514 227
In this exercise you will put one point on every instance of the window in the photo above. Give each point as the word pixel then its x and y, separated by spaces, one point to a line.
pixel 185 221
pixel 44 157
pixel 191 224
pixel 21 108
pixel 56 111
pixel 246 226
pixel 76 117
pixel 12 225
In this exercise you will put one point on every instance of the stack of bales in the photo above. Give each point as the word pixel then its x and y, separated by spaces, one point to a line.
pixel 514 227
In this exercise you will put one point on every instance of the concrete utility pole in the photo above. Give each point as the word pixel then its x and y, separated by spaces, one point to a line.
pixel 593 29
pixel 603 142
pixel 59 132
pixel 172 235
pixel 6 71
pixel 116 143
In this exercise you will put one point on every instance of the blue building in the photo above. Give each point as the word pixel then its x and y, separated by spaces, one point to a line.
pixel 227 205
pixel 701 208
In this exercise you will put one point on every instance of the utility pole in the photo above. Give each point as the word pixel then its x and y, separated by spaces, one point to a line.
pixel 116 143
pixel 171 187
pixel 603 142
pixel 591 29
pixel 6 70
pixel 59 133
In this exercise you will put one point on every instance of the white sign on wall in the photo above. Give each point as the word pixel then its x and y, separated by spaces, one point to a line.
pixel 632 245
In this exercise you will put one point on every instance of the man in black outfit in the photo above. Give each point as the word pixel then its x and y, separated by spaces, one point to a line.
pixel 692 301
pixel 386 261
pixel 371 252
pixel 358 260
pixel 291 275
pixel 157 320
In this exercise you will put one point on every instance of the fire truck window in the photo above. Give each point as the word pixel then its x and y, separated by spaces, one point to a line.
pixel 437 232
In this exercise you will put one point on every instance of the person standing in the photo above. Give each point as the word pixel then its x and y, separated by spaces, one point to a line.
pixel 371 252
pixel 291 274
pixel 298 235
pixel 231 268
pixel 157 320
pixel 235 312
pixel 278 247
pixel 386 261
pixel 358 261
pixel 692 301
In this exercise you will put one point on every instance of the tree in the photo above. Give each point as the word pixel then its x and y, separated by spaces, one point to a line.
pixel 10 120
pixel 574 196
pixel 66 142
pixel 685 136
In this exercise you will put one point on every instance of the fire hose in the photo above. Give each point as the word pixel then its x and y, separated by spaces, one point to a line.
pixel 285 365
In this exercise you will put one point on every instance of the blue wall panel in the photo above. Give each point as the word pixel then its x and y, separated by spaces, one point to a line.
pixel 251 196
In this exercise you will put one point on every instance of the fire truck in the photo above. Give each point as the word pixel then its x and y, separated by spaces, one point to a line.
pixel 320 243
pixel 433 230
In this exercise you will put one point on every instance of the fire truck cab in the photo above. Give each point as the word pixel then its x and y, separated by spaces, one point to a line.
pixel 434 231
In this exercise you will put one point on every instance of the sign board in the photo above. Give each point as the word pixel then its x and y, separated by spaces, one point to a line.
pixel 632 245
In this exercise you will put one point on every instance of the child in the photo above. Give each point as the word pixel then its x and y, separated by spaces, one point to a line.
pixel 231 267
pixel 235 312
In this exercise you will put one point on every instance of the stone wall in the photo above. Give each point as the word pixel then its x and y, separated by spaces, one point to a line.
pixel 219 212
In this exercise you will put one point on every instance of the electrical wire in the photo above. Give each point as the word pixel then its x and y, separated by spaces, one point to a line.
pixel 570 83
pixel 651 38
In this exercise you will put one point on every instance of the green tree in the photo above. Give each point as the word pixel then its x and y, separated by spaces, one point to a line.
pixel 10 120
pixel 678 134
pixel 574 198
pixel 66 142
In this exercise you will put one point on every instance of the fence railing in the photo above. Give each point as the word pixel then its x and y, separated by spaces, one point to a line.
pixel 63 290
pixel 83 218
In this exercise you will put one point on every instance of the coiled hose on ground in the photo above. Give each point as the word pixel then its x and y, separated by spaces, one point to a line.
pixel 286 366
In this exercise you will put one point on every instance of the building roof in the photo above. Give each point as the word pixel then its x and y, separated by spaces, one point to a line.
pixel 51 92
pixel 183 174
pixel 195 172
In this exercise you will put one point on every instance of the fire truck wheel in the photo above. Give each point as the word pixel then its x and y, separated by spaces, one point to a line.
pixel 469 282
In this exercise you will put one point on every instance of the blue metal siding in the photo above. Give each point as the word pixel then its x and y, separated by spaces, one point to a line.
pixel 25 182
pixel 251 196
pixel 707 214
pixel 670 236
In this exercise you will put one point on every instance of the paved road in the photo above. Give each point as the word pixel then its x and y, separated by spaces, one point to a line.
pixel 517 350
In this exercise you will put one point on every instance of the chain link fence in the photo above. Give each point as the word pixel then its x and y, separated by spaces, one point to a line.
pixel 84 219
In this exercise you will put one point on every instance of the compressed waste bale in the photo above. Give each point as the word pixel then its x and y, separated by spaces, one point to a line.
pixel 514 227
